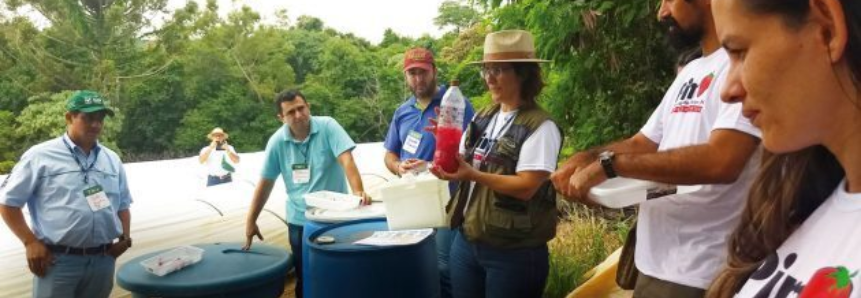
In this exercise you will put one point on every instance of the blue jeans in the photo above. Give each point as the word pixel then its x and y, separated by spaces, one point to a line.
pixel 296 243
pixel 216 180
pixel 478 270
pixel 444 239
pixel 76 276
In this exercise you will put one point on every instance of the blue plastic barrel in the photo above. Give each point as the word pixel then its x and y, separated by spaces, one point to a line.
pixel 225 271
pixel 318 219
pixel 309 228
pixel 344 269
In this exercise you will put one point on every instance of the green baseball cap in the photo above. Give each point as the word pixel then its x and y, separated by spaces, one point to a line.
pixel 88 102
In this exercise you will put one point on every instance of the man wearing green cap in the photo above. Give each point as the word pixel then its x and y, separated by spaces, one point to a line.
pixel 78 199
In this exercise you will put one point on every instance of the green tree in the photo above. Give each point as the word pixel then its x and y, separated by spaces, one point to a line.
pixel 250 63
pixel 44 119
pixel 610 63
pixel 88 44
pixel 20 78
pixel 309 23
pixel 391 38
pixel 453 14
pixel 307 45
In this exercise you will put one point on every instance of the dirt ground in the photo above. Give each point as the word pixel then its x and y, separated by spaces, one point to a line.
pixel 290 286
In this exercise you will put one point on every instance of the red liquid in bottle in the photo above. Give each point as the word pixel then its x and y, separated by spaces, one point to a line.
pixel 447 145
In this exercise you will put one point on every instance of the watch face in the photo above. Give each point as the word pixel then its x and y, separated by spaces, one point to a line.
pixel 605 155
pixel 606 160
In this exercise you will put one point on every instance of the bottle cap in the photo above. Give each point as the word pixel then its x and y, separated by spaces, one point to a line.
pixel 325 239
pixel 454 83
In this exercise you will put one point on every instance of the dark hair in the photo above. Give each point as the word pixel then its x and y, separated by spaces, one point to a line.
pixel 287 96
pixel 790 186
pixel 689 55
pixel 531 81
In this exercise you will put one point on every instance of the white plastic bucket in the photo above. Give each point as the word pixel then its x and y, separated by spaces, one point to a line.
pixel 415 202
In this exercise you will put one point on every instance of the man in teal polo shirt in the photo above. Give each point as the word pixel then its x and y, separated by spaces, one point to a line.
pixel 311 154
pixel 78 198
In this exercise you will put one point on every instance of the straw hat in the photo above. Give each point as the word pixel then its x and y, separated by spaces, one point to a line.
pixel 216 131
pixel 509 46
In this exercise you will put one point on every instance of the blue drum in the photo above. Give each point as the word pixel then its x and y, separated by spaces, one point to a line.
pixel 225 271
pixel 345 269
pixel 318 219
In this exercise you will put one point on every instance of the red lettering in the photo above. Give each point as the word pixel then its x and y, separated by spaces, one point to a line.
pixel 687 109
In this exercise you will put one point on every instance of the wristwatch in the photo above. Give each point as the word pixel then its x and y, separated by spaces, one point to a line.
pixel 124 238
pixel 606 159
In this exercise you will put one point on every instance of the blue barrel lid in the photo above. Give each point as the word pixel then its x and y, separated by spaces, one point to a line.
pixel 224 267
pixel 344 234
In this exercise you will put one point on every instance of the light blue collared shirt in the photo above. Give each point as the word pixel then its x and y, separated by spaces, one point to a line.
pixel 51 182
pixel 326 141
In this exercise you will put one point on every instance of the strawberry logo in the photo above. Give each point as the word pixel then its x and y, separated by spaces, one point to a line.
pixel 705 83
pixel 829 282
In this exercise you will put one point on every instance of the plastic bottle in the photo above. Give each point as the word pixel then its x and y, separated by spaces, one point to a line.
pixel 449 128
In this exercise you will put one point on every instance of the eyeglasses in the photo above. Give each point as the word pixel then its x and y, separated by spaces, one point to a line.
pixel 495 71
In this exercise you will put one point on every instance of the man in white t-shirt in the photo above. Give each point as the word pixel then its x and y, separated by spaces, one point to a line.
pixel 218 158
pixel 691 138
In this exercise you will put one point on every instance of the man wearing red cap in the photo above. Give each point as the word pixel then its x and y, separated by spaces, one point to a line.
pixel 408 146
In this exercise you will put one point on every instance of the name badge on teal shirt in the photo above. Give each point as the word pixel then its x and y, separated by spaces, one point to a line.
pixel 301 173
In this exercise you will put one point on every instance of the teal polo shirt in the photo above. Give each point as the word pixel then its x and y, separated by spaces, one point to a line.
pixel 320 151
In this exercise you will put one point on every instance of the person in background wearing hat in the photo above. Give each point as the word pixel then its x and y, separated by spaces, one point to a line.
pixel 78 198
pixel 409 146
pixel 504 211
pixel 310 153
pixel 215 158
pixel 691 138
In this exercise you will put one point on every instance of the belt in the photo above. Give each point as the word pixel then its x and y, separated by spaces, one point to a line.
pixel 62 249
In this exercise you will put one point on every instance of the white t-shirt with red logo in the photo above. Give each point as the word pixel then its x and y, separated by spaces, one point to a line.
pixel 820 259
pixel 682 238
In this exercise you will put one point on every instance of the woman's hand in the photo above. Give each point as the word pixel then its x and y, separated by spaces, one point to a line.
pixel 433 123
pixel 464 172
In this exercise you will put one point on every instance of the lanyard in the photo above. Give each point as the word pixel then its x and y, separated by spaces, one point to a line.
pixel 307 148
pixel 507 123
pixel 491 139
pixel 84 169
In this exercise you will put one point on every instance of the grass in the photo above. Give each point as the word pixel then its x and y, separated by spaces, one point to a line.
pixel 584 238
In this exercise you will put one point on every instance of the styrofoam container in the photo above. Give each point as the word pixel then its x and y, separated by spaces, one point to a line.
pixel 623 192
pixel 374 210
pixel 331 200
pixel 173 260
pixel 415 202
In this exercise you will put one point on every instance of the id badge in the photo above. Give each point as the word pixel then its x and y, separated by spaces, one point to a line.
pixel 480 152
pixel 413 140
pixel 301 173
pixel 96 198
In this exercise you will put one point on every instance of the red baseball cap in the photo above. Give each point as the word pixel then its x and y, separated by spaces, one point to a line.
pixel 418 57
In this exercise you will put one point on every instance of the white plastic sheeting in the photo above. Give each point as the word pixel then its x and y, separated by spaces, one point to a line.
pixel 172 207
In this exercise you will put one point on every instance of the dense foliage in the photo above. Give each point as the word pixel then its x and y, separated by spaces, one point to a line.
pixel 174 82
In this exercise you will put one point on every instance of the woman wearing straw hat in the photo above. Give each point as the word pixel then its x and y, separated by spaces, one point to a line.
pixel 215 157
pixel 505 208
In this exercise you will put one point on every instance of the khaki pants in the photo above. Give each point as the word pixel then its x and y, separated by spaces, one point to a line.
pixel 650 287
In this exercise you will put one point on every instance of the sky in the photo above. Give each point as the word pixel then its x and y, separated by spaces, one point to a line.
pixel 367 19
